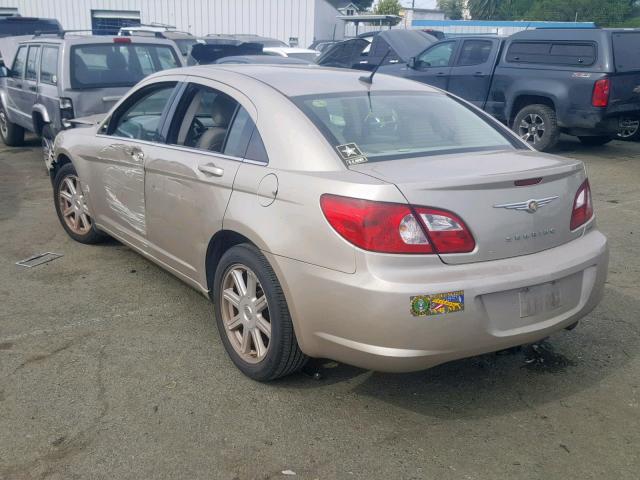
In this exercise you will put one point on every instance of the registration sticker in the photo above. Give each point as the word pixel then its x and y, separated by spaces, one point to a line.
pixel 351 154
pixel 437 304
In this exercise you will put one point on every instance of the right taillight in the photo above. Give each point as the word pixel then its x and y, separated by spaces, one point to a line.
pixel 396 228
pixel 601 90
pixel 582 206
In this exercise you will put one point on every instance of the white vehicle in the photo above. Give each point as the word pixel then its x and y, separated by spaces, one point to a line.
pixel 293 52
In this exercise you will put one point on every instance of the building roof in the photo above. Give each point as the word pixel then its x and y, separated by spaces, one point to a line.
pixel 338 4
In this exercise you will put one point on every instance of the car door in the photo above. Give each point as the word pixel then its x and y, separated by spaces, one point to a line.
pixel 15 98
pixel 123 144
pixel 470 75
pixel 30 84
pixel 189 181
pixel 433 66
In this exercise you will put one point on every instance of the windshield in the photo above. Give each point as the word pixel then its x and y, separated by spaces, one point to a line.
pixel 185 45
pixel 308 56
pixel 392 125
pixel 117 65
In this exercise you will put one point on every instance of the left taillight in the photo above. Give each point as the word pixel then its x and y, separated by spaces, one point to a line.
pixel 601 90
pixel 66 111
pixel 396 228
pixel 582 206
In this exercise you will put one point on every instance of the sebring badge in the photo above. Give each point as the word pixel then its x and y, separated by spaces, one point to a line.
pixel 530 206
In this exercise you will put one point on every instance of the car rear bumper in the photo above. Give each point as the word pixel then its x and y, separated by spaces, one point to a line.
pixel 365 319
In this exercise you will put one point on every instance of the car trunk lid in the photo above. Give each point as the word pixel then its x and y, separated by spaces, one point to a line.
pixel 481 189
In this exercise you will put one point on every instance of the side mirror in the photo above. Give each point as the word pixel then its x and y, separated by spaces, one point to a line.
pixel 412 62
pixel 4 72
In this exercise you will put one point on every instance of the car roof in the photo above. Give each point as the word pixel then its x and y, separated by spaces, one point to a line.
pixel 296 80
pixel 71 38
pixel 560 34
pixel 261 59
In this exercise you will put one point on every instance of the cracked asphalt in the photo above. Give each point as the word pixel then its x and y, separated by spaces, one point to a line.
pixel 110 368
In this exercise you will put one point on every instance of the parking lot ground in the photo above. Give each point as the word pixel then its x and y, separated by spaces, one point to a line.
pixel 111 368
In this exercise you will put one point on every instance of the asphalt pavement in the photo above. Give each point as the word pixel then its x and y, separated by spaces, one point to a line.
pixel 111 368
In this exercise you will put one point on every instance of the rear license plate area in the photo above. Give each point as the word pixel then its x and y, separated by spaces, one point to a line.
pixel 539 299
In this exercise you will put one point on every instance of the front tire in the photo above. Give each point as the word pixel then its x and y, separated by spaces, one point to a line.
pixel 12 134
pixel 538 126
pixel 71 207
pixel 595 141
pixel 253 317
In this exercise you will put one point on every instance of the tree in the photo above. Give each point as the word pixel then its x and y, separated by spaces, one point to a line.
pixel 485 9
pixel 452 8
pixel 388 7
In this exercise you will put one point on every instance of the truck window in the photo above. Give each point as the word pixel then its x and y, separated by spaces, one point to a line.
pixel 49 65
pixel 626 53
pixel 17 70
pixel 552 53
pixel 474 52
pixel 117 65
pixel 32 63
pixel 437 56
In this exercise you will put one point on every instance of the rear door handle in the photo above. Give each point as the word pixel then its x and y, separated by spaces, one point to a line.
pixel 33 88
pixel 478 74
pixel 211 169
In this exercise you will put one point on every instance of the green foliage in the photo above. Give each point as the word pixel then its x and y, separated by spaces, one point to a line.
pixel 603 12
pixel 388 7
pixel 452 8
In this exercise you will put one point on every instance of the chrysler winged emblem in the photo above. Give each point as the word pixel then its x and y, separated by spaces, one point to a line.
pixel 532 205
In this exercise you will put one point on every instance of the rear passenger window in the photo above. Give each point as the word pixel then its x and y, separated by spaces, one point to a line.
pixel 256 150
pixel 17 70
pixel 556 53
pixel 32 64
pixel 239 134
pixel 49 65
pixel 474 52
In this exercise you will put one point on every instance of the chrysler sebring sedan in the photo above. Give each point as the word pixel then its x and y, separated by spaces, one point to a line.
pixel 377 222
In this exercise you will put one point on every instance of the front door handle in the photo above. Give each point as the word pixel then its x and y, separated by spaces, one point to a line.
pixel 137 155
pixel 211 169
pixel 440 74
pixel 33 88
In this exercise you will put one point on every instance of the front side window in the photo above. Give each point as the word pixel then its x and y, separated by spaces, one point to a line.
pixel 203 119
pixel 118 64
pixel 474 52
pixel 17 70
pixel 392 125
pixel 32 64
pixel 438 56
pixel 140 118
pixel 49 65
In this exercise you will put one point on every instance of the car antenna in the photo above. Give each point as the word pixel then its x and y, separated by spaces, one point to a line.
pixel 369 79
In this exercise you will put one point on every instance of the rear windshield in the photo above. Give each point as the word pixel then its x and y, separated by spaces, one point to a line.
pixel 626 51
pixel 117 65
pixel 393 125
pixel 552 53
pixel 20 26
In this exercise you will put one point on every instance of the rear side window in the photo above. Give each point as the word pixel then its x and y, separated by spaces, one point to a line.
pixel 49 65
pixel 32 64
pixel 117 65
pixel 626 51
pixel 17 70
pixel 474 52
pixel 552 53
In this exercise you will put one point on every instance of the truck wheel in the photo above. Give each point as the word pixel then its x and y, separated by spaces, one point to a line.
pixel 595 141
pixel 12 134
pixel 537 125
pixel 629 129
pixel 253 317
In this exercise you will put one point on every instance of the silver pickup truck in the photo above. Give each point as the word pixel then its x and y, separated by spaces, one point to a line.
pixel 54 78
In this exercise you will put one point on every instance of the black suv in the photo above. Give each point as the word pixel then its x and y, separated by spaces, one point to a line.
pixel 584 82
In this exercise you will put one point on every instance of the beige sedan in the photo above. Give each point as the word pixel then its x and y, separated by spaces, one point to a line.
pixel 381 223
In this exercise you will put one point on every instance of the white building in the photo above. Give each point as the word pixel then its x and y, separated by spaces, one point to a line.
pixel 299 21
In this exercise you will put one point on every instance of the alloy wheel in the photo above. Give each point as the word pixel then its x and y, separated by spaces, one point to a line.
pixel 4 127
pixel 245 313
pixel 47 150
pixel 628 128
pixel 73 206
pixel 531 128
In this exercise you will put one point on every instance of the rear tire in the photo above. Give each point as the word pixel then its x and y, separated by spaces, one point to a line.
pixel 630 130
pixel 12 134
pixel 71 207
pixel 239 315
pixel 538 126
pixel 595 141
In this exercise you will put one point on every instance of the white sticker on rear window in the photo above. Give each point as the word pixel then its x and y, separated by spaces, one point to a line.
pixel 351 154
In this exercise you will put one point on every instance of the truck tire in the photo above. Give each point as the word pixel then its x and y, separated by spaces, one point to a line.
pixel 47 137
pixel 595 141
pixel 629 129
pixel 537 125
pixel 12 134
